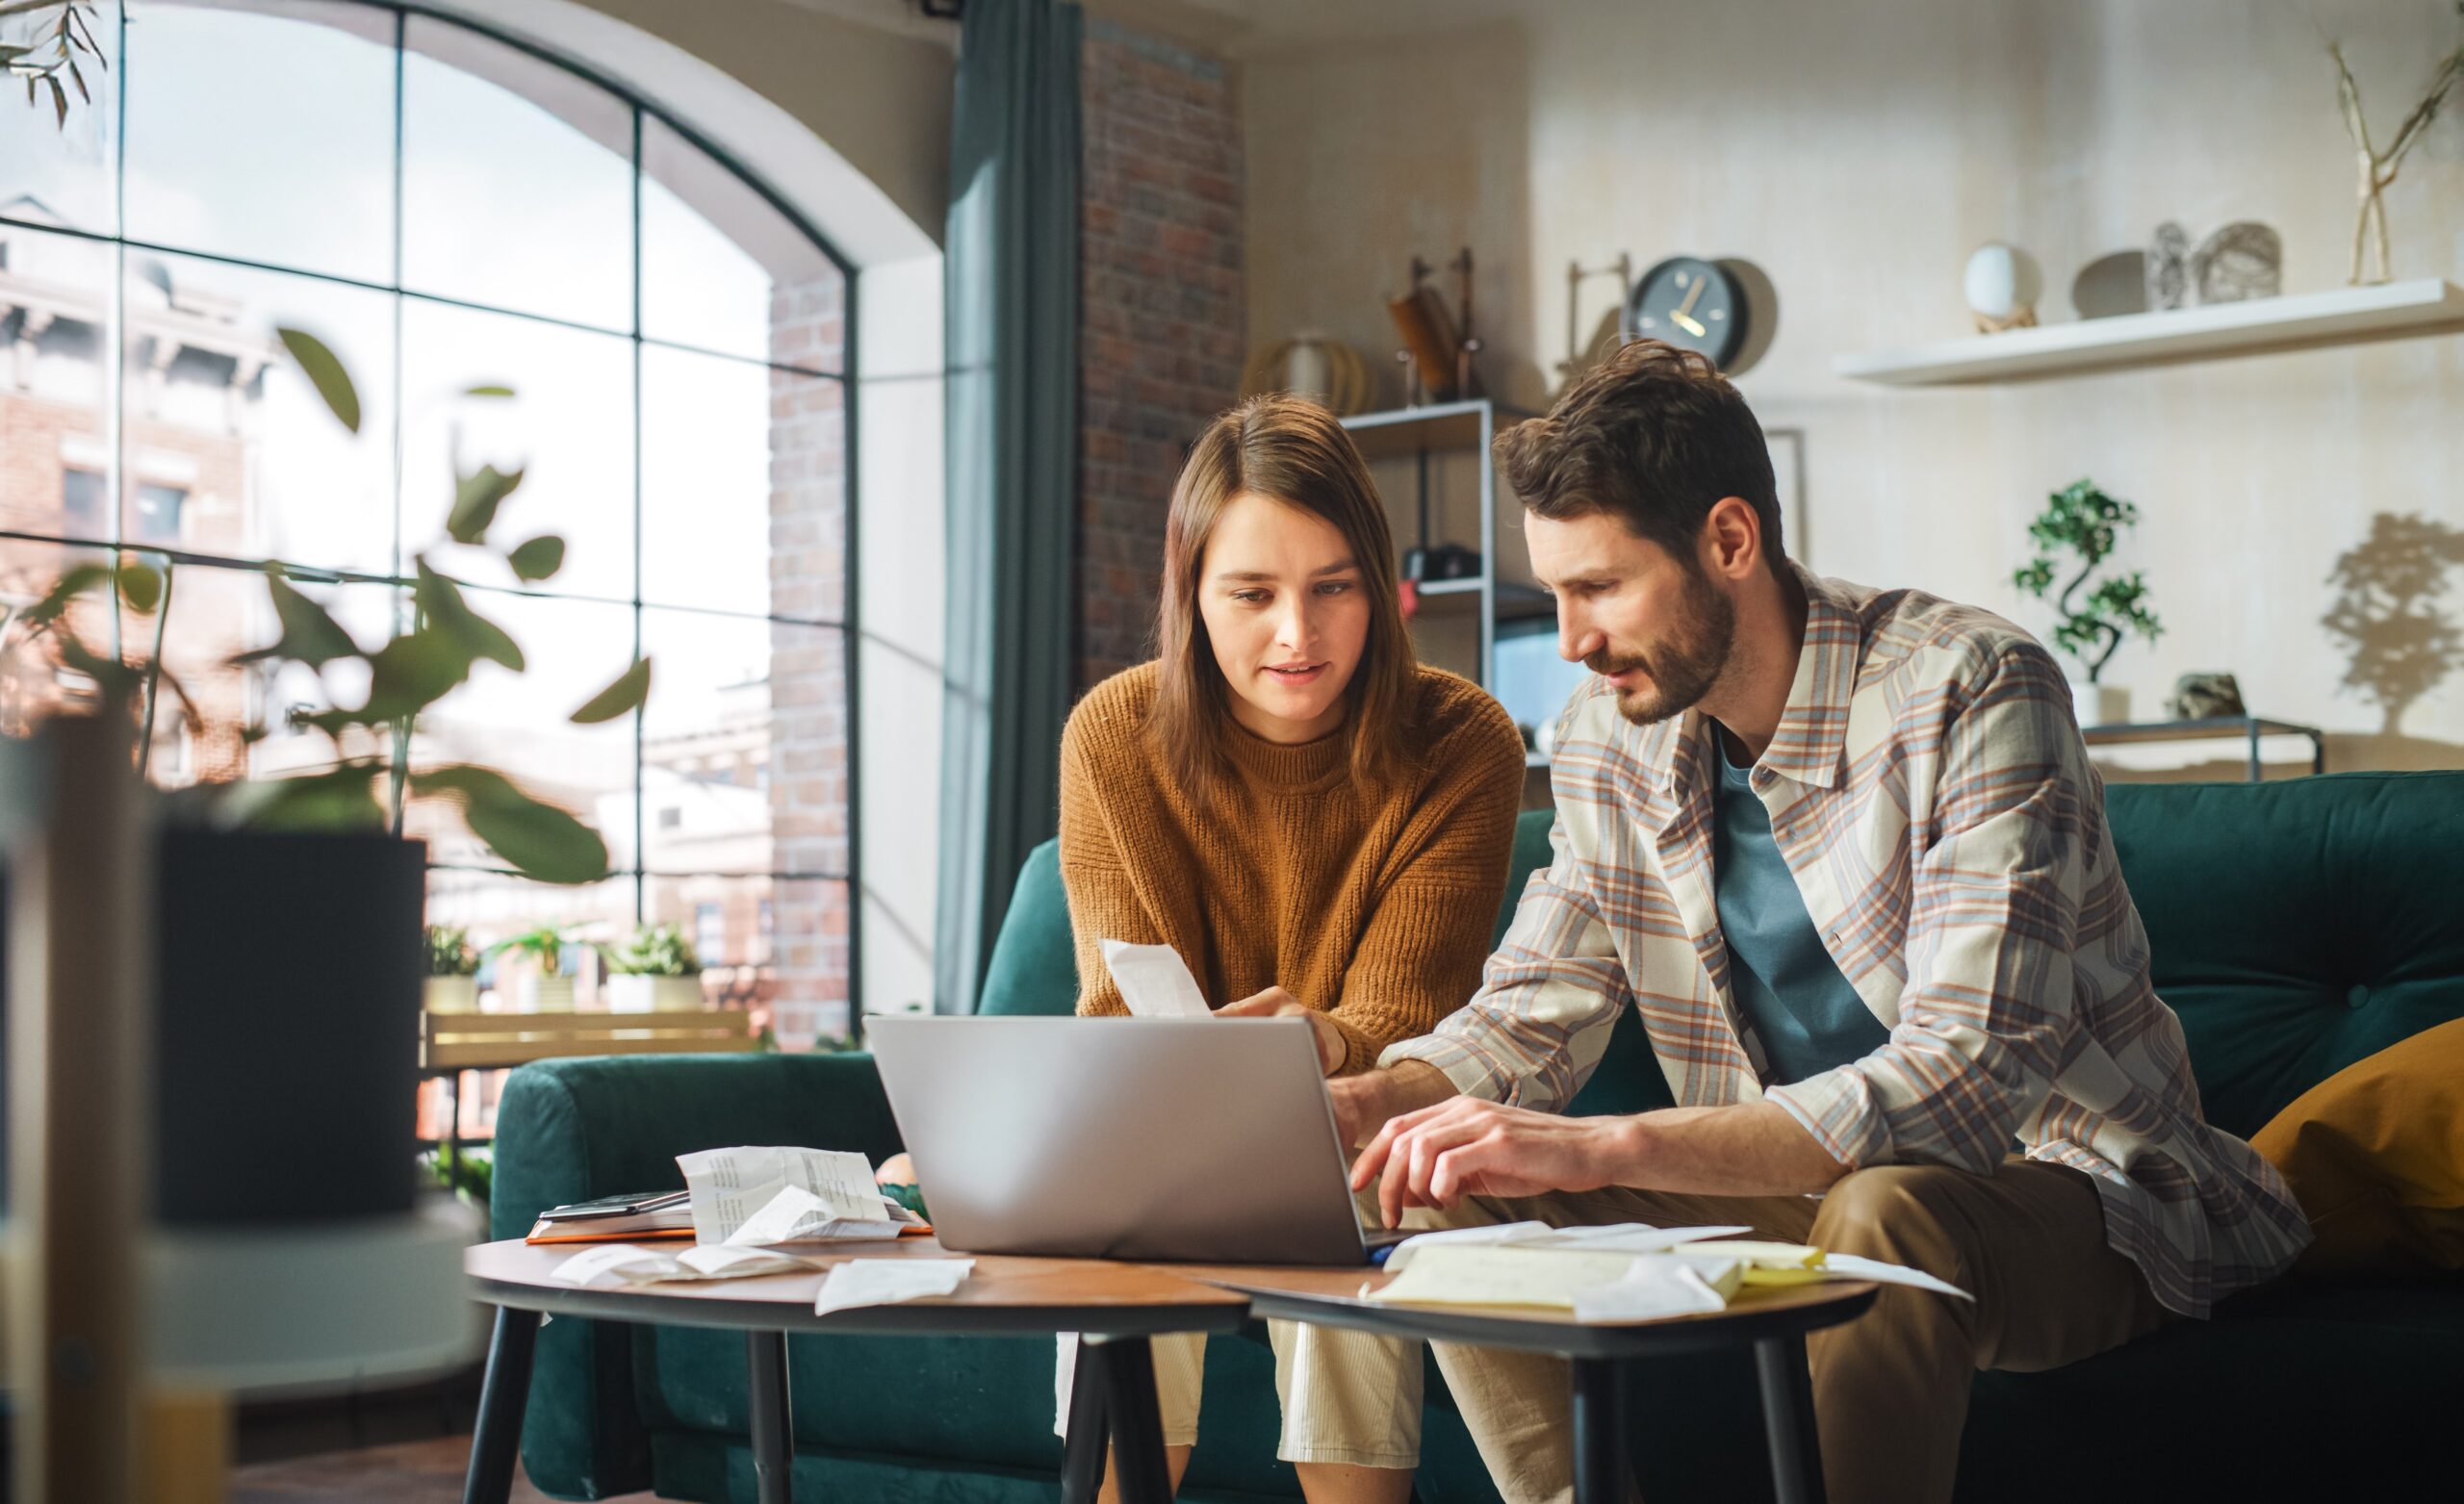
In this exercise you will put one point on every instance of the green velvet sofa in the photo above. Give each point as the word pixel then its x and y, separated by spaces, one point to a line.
pixel 2298 927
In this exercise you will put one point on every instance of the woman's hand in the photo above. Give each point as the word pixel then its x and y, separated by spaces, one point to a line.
pixel 1275 1002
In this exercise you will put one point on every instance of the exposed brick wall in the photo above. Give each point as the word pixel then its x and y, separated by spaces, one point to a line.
pixel 1160 318
pixel 809 666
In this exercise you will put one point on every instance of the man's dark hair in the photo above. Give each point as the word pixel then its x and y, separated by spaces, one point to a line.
pixel 1653 436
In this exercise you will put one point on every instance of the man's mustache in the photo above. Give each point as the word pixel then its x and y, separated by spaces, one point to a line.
pixel 1605 663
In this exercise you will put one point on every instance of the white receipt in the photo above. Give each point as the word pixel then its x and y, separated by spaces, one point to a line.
pixel 648 1266
pixel 885 1281
pixel 1654 1286
pixel 796 1216
pixel 1632 1237
pixel 1154 981
pixel 729 1186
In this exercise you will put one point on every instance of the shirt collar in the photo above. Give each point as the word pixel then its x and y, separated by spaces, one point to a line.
pixel 1812 742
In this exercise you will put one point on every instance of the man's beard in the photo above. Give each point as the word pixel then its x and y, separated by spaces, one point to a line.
pixel 1684 665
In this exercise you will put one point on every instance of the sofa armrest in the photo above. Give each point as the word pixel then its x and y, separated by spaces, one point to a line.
pixel 572 1130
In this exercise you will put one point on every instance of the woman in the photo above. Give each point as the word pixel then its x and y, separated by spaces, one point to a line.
pixel 1319 825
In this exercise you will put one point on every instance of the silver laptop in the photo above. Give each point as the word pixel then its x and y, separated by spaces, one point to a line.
pixel 1201 1140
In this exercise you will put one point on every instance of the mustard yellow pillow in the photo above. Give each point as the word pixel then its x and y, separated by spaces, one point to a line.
pixel 2375 1153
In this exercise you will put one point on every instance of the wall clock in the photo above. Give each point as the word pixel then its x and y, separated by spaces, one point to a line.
pixel 1689 301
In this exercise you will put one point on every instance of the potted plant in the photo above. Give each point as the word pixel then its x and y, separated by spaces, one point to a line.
pixel 655 972
pixel 2084 522
pixel 452 984
pixel 544 987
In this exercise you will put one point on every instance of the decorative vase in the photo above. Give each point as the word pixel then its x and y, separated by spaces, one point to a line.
pixel 631 994
pixel 451 995
pixel 537 994
pixel 2101 704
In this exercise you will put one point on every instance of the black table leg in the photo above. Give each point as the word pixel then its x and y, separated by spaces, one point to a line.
pixel 1602 1474
pixel 1083 1444
pixel 504 1395
pixel 1787 1419
pixel 1128 1368
pixel 774 1448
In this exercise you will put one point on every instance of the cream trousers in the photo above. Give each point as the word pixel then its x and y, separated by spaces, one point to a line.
pixel 1347 1397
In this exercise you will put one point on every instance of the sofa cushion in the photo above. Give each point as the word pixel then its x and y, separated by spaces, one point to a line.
pixel 2375 1156
pixel 2297 927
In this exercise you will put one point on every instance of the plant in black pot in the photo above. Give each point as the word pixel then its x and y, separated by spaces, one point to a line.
pixel 283 1094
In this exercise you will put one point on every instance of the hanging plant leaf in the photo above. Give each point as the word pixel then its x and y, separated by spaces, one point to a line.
pixel 626 694
pixel 343 799
pixel 441 599
pixel 309 635
pixel 141 586
pixel 538 559
pixel 326 373
pixel 476 499
pixel 410 674
pixel 537 839
pixel 74 583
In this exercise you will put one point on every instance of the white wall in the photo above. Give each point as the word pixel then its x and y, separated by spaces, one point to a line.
pixel 1856 150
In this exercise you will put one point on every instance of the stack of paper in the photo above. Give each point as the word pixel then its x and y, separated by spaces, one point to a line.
pixel 646 1266
pixel 787 1196
pixel 1623 1273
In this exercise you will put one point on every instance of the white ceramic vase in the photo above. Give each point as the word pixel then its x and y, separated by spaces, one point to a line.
pixel 451 995
pixel 2099 704
pixel 533 993
pixel 627 994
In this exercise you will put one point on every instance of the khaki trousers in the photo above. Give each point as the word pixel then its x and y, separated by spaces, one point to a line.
pixel 1891 1389
pixel 1347 1397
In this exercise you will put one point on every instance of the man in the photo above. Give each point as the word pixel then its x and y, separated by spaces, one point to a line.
pixel 1844 850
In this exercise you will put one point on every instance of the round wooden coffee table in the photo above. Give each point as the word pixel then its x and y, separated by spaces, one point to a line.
pixel 1116 1307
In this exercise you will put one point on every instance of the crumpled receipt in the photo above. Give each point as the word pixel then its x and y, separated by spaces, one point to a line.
pixel 638 1265
pixel 1154 981
pixel 885 1281
pixel 836 1197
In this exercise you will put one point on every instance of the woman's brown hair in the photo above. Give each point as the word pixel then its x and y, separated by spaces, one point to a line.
pixel 1293 451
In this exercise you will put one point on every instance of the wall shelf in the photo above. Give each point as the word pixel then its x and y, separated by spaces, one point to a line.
pixel 2306 320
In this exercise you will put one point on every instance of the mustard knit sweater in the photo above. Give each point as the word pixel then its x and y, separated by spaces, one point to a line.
pixel 1373 908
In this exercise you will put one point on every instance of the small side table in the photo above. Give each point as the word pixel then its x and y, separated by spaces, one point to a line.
pixel 1773 1322
pixel 2215 728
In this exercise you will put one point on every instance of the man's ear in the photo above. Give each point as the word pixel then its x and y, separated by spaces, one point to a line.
pixel 1731 539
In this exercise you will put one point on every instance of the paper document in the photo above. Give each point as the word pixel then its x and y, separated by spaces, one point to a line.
pixel 1489 1274
pixel 1154 981
pixel 885 1281
pixel 649 1267
pixel 1657 1287
pixel 729 1186
pixel 1631 1237
pixel 1796 1263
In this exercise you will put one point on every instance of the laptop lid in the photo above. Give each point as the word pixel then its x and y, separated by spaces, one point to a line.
pixel 1201 1139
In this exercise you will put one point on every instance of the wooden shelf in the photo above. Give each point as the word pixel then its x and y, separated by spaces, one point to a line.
pixel 1431 429
pixel 2307 321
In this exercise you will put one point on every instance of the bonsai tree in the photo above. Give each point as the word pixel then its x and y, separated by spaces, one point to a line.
pixel 450 953
pixel 2083 523
pixel 653 950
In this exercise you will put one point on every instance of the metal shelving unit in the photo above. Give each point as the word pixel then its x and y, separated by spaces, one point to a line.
pixel 1437 429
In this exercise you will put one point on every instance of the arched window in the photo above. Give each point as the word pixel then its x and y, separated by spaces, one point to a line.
pixel 451 212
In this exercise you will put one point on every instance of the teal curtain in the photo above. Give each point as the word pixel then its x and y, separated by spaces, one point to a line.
pixel 1012 277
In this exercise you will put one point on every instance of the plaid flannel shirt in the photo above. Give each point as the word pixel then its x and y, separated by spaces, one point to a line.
pixel 1930 793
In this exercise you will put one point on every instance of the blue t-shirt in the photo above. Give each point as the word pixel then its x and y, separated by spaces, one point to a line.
pixel 1787 986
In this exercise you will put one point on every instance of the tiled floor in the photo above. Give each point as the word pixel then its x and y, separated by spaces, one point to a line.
pixel 406 1473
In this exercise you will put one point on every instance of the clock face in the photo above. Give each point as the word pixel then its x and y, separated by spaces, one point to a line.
pixel 1692 302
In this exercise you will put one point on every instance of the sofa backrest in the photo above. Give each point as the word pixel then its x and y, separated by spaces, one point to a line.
pixel 2297 927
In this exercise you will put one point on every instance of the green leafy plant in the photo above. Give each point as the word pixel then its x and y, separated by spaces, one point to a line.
pixel 470 1172
pixel 2084 524
pixel 545 945
pixel 653 950
pixel 418 665
pixel 51 51
pixel 450 953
